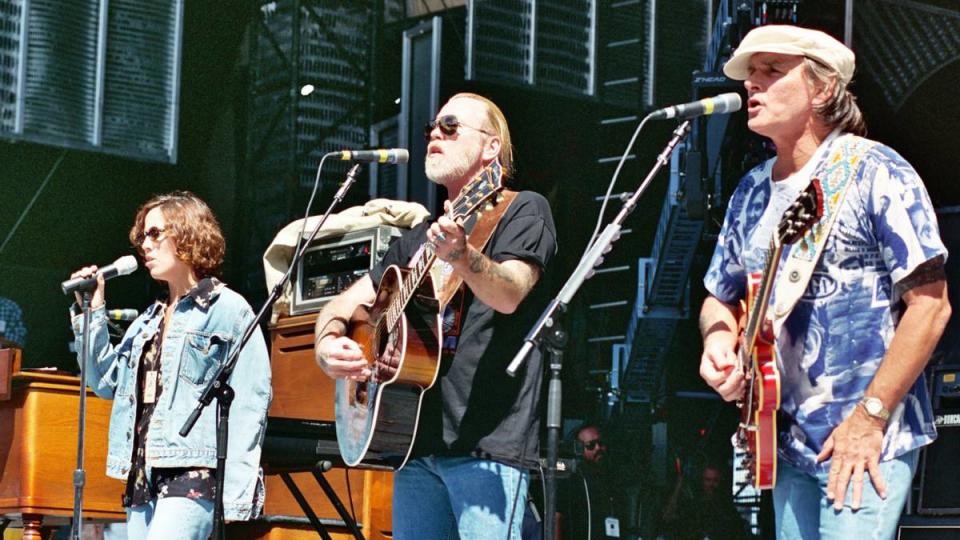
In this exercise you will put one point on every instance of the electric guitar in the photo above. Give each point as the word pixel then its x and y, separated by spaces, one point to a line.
pixel 400 334
pixel 756 355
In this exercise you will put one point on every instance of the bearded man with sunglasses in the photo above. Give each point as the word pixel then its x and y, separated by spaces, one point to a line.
pixel 479 429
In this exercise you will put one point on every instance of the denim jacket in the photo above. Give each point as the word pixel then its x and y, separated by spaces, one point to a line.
pixel 199 338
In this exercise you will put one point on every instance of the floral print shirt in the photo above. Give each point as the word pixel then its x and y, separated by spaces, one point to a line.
pixel 143 484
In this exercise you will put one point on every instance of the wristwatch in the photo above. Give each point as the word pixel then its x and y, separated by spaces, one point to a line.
pixel 874 408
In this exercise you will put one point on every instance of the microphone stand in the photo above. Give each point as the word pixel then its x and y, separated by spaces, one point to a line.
pixel 556 337
pixel 79 475
pixel 218 387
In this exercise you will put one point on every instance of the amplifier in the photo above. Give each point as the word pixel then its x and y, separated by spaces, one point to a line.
pixel 946 387
pixel 939 474
pixel 329 266
pixel 928 528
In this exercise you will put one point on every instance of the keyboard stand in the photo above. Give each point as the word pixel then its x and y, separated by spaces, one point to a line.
pixel 332 496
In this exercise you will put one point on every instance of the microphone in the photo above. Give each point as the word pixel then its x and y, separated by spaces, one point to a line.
pixel 724 103
pixel 122 314
pixel 120 267
pixel 382 155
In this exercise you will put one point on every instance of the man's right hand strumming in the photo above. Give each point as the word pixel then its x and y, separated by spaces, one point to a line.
pixel 340 356
pixel 335 353
pixel 718 367
pixel 718 364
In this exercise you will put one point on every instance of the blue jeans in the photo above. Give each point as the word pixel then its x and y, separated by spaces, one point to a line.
pixel 170 518
pixel 446 498
pixel 803 511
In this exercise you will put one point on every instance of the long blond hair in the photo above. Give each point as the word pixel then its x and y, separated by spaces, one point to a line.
pixel 498 122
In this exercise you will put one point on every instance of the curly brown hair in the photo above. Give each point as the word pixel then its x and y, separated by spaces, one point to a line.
pixel 192 224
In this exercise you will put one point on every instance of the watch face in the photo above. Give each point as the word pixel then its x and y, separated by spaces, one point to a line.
pixel 875 408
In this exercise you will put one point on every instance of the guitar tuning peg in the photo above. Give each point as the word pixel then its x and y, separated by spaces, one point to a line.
pixel 488 206
pixel 500 197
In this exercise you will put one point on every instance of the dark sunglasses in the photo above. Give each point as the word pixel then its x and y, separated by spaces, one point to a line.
pixel 448 125
pixel 590 445
pixel 153 233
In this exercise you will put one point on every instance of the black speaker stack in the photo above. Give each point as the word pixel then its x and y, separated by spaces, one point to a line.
pixel 937 485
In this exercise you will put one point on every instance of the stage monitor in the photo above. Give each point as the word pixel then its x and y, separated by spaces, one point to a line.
pixel 332 265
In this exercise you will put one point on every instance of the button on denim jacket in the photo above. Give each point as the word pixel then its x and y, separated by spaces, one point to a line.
pixel 198 340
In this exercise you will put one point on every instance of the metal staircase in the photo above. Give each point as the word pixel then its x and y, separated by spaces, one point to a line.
pixel 663 281
pixel 662 294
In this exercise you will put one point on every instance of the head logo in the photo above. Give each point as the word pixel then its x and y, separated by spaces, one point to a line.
pixel 821 286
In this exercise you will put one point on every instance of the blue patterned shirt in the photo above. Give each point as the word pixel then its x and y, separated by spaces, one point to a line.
pixel 832 343
pixel 11 322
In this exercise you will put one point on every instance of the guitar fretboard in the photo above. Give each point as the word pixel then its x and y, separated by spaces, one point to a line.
pixel 471 197
pixel 758 309
pixel 410 283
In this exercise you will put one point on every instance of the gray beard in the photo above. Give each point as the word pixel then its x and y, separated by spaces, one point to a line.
pixel 445 170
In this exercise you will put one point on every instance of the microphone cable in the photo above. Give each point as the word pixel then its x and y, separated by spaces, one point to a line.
pixel 313 194
pixel 613 181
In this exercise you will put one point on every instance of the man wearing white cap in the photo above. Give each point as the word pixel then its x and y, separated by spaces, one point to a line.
pixel 865 312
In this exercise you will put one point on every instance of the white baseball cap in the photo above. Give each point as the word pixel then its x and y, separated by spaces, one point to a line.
pixel 786 39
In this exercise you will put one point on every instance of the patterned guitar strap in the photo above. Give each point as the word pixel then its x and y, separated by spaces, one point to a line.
pixel 836 176
pixel 450 286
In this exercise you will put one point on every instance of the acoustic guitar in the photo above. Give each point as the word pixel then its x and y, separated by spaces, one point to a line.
pixel 400 334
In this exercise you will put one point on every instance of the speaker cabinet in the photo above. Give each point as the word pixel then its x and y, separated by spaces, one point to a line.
pixel 928 528
pixel 939 471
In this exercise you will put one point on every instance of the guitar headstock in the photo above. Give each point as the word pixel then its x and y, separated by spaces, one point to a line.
pixel 478 191
pixel 802 214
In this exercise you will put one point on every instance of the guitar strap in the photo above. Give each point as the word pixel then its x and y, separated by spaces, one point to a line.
pixel 479 235
pixel 835 175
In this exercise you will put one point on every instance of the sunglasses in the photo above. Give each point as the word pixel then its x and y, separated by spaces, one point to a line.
pixel 153 233
pixel 590 445
pixel 448 125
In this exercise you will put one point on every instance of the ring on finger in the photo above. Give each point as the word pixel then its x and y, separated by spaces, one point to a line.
pixel 441 237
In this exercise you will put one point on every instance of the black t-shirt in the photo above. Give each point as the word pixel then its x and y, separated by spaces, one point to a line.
pixel 475 408
pixel 606 500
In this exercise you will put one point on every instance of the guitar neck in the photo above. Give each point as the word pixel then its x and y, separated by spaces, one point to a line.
pixel 411 282
pixel 471 197
pixel 758 306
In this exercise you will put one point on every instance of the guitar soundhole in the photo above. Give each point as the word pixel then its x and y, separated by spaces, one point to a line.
pixel 388 356
pixel 360 393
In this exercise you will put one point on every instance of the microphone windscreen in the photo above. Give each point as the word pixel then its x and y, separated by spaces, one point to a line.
pixel 729 102
pixel 125 265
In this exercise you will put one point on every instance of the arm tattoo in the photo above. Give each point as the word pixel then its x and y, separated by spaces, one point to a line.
pixel 477 262
pixel 456 254
pixel 496 270
pixel 480 264
pixel 924 274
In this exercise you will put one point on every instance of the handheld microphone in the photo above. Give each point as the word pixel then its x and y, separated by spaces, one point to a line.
pixel 120 267
pixel 122 314
pixel 724 103
pixel 382 155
